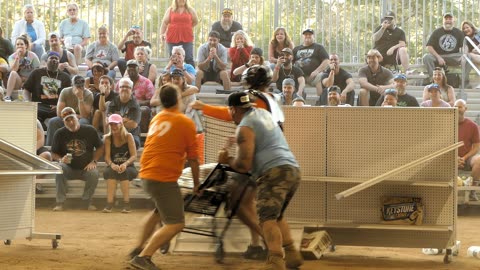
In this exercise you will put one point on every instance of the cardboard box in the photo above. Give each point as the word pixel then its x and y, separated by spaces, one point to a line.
pixel 314 244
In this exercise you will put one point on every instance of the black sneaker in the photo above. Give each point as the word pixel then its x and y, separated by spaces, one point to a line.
pixel 144 263
pixel 126 208
pixel 255 253
pixel 108 208
pixel 135 252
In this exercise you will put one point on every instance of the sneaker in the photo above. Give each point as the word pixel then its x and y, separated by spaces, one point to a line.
pixel 473 196
pixel 135 252
pixel 144 263
pixel 293 258
pixel 164 248
pixel 410 71
pixel 91 207
pixel 432 251
pixel 108 208
pixel 255 253
pixel 7 98
pixel 58 207
pixel 275 262
pixel 468 181
pixel 38 189
pixel 126 208
pixel 456 248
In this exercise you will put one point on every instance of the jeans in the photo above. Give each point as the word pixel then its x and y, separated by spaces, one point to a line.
pixel 188 47
pixel 90 178
pixel 55 124
pixel 453 59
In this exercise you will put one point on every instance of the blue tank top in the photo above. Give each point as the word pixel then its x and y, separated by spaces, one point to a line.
pixel 119 155
pixel 271 147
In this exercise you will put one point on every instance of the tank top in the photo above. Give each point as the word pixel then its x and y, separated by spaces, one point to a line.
pixel 146 70
pixel 180 28
pixel 119 155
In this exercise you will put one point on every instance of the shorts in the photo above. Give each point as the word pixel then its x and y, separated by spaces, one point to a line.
pixel 42 149
pixel 468 163
pixel 393 59
pixel 275 189
pixel 129 174
pixel 168 200
pixel 315 80
pixel 211 76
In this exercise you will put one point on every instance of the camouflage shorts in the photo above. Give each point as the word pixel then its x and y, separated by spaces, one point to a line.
pixel 275 189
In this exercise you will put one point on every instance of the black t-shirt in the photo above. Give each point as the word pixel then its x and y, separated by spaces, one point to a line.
pixel 131 109
pixel 226 36
pixel 96 99
pixel 293 73
pixel 308 58
pixel 339 80
pixel 6 48
pixel 46 86
pixel 81 144
pixel 446 42
pixel 403 101
pixel 390 38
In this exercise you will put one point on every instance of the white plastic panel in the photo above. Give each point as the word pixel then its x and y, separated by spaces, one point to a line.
pixel 308 204
pixel 16 206
pixel 18 122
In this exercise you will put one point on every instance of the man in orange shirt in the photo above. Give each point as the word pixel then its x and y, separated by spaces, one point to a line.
pixel 171 139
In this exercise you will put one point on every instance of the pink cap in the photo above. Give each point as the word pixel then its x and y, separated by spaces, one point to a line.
pixel 115 118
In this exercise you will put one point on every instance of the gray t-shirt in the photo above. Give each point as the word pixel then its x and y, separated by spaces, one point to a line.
pixel 204 51
pixel 271 147
pixel 75 32
pixel 71 100
pixel 106 54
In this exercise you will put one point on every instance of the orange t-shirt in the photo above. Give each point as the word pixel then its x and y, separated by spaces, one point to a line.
pixel 171 139
pixel 221 112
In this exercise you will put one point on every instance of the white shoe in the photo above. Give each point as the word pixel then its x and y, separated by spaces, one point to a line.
pixel 7 99
pixel 432 251
pixel 456 248
pixel 468 181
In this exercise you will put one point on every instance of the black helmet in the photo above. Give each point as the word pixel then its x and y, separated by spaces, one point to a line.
pixel 256 77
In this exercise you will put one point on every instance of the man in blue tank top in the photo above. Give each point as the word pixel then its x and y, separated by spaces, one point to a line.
pixel 263 150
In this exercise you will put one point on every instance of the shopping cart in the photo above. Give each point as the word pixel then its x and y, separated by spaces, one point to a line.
pixel 222 186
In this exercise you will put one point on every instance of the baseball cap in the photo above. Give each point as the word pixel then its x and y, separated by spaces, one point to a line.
pixel 52 53
pixel 447 14
pixel 115 118
pixel 78 80
pixel 257 51
pixel 227 11
pixel 287 50
pixel 308 30
pixel 132 62
pixel 391 92
pixel 177 72
pixel 239 99
pixel 288 81
pixel 433 86
pixel 68 112
pixel 53 34
pixel 399 77
pixel 389 14
pixel 334 88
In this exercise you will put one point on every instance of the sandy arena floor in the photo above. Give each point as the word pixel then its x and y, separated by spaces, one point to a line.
pixel 101 241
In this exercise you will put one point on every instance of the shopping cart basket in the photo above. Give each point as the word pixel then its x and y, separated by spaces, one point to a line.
pixel 216 190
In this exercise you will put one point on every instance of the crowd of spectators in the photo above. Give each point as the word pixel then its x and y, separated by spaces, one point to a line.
pixel 52 78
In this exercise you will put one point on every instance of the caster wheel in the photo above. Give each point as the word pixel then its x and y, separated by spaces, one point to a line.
pixel 7 242
pixel 54 243
pixel 333 248
pixel 219 252
pixel 448 257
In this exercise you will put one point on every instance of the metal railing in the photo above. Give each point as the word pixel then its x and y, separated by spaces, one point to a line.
pixel 342 26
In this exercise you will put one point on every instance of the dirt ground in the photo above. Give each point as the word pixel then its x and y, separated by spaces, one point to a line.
pixel 101 241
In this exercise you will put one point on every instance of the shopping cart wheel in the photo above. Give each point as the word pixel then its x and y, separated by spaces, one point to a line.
pixel 219 252
pixel 54 243
pixel 7 242
pixel 448 257
pixel 333 248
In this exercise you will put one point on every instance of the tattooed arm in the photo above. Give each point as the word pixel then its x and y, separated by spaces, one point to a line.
pixel 242 162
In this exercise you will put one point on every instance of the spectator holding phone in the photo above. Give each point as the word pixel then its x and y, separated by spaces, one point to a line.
pixel 177 61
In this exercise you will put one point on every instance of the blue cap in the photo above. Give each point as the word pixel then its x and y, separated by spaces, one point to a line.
pixel 400 77
pixel 433 86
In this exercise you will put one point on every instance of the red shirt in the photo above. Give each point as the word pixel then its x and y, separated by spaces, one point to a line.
pixel 468 134
pixel 180 28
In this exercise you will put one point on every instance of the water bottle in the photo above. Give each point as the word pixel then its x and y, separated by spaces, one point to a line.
pixel 474 251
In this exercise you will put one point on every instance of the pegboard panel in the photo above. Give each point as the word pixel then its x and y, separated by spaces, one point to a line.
pixel 364 206
pixel 216 134
pixel 367 142
pixel 305 130
pixel 16 205
pixel 18 122
pixel 308 203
